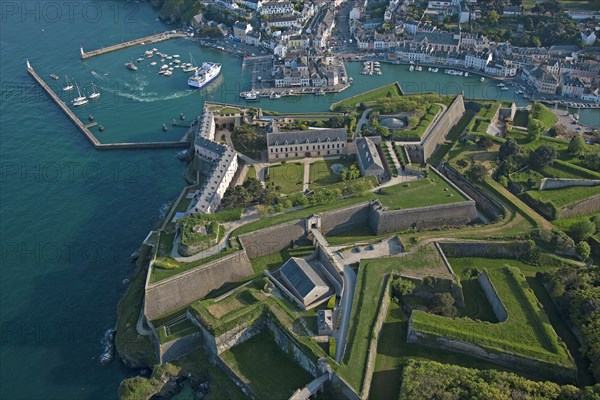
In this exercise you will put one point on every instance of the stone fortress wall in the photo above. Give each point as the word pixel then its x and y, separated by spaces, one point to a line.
pixel 559 183
pixel 345 219
pixel 273 239
pixel 437 135
pixel 479 248
pixel 486 203
pixel 172 293
pixel 492 296
pixel 175 292
pixel 585 206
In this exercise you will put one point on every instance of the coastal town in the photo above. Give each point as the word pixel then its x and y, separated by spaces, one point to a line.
pixel 438 34
pixel 387 244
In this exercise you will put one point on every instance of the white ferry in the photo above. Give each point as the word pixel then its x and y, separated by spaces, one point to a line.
pixel 204 75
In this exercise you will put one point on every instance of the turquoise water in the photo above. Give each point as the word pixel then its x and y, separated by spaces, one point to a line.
pixel 71 215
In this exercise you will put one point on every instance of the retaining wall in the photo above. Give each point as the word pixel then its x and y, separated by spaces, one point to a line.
pixel 270 240
pixel 290 347
pixel 490 293
pixel 376 332
pixel 474 248
pixel 184 288
pixel 423 217
pixel 437 135
pixel 490 206
pixel 541 369
pixel 337 221
pixel 559 183
pixel 179 347
pixel 343 388
pixel 587 206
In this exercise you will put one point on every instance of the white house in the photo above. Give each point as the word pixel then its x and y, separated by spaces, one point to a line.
pixel 275 8
pixel 588 37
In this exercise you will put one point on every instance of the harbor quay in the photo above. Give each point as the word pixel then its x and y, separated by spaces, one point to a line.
pixel 160 37
pixel 88 133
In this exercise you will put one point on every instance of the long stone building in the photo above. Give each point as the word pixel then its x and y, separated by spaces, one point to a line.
pixel 283 145
pixel 224 164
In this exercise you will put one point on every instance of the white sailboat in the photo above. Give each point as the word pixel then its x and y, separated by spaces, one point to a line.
pixel 69 85
pixel 192 67
pixel 80 99
pixel 95 93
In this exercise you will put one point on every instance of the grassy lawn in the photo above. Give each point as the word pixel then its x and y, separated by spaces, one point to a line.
pixel 160 272
pixel 544 114
pixel 362 233
pixel 290 216
pixel 389 159
pixel 579 4
pixel 392 351
pixel 430 191
pixel 390 90
pixel 289 177
pixel 261 364
pixel 239 299
pixel 251 172
pixel 273 261
pixel 564 224
pixel 521 118
pixel 228 111
pixel 369 289
pixel 527 332
pixel 321 175
pixel 201 368
pixel 454 134
pixel 565 196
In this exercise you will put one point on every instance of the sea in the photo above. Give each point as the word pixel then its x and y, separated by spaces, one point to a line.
pixel 71 215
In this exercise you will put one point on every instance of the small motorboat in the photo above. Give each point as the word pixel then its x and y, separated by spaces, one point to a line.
pixel 131 66
pixel 482 79
pixel 168 73
pixel 153 63
pixel 55 77
pixel 140 59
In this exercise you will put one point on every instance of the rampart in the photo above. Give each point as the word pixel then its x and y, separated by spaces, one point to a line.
pixel 542 369
pixel 492 296
pixel 270 240
pixel 344 219
pixel 179 347
pixel 175 292
pixel 476 248
pixel 559 183
pixel 486 203
pixel 437 134
pixel 455 214
pixel 586 206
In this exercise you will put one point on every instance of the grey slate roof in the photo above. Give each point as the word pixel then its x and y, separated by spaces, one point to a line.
pixel 369 156
pixel 279 138
pixel 301 276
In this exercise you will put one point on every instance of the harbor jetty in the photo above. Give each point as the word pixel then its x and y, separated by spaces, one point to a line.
pixel 85 128
pixel 160 37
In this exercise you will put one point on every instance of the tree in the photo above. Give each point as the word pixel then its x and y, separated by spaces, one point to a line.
pixel 577 146
pixel 582 230
pixel 508 149
pixel 382 131
pixel 596 221
pixel 477 173
pixel 442 304
pixel 534 130
pixel 337 121
pixel 541 157
pixel 402 287
pixel 485 142
pixel 493 17
pixel 557 130
pixel 583 250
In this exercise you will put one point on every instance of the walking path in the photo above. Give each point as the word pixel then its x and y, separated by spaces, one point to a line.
pixel 363 120
pixel 306 180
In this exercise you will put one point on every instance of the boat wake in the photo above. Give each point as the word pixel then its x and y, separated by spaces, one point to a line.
pixel 99 76
pixel 149 97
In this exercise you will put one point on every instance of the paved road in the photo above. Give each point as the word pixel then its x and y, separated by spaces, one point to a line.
pixel 346 303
